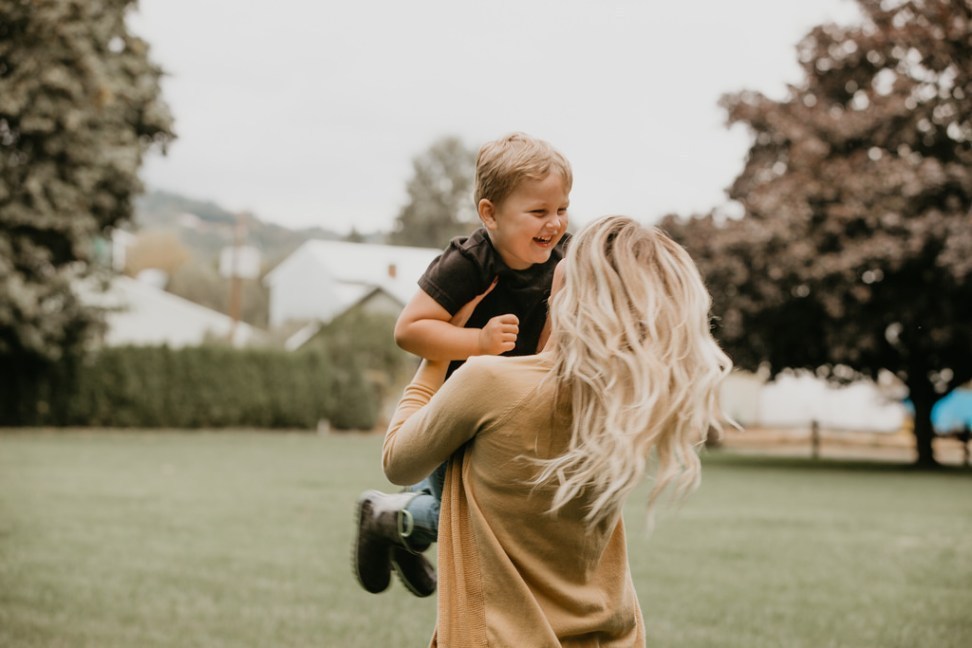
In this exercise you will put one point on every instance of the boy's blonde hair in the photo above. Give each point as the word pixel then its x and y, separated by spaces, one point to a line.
pixel 504 163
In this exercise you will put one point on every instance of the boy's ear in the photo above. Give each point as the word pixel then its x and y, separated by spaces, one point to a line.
pixel 487 214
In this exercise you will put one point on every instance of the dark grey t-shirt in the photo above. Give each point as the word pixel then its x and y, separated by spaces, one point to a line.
pixel 467 267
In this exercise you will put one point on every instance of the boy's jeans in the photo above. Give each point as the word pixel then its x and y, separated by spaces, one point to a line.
pixel 424 507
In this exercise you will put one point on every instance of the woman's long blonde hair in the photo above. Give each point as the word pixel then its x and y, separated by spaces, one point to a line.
pixel 634 354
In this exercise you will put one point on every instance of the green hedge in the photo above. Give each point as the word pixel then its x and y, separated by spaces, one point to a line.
pixel 194 387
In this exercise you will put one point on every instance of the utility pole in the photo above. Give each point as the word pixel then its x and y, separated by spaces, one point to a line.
pixel 236 263
pixel 235 279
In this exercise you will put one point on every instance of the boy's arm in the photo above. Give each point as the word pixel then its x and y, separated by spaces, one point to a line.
pixel 405 451
pixel 423 328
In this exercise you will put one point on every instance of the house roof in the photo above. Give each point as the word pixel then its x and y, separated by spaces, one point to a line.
pixel 359 267
pixel 138 313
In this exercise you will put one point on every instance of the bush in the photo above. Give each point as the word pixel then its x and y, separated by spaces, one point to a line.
pixel 195 387
pixel 364 344
pixel 343 375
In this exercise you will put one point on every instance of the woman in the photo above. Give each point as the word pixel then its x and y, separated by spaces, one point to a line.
pixel 543 450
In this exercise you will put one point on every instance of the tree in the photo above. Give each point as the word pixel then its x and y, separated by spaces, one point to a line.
pixel 354 236
pixel 79 106
pixel 440 195
pixel 855 251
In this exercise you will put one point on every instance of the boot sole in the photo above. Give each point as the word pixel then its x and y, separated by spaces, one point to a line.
pixel 362 500
pixel 404 581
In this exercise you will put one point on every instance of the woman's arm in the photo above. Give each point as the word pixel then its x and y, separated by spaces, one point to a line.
pixel 433 420
pixel 425 430
pixel 405 455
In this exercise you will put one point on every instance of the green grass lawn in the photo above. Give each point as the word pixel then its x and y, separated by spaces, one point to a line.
pixel 243 539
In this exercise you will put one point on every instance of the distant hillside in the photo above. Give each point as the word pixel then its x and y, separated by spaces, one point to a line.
pixel 205 228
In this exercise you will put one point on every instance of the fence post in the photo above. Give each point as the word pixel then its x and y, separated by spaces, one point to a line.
pixel 815 439
pixel 964 436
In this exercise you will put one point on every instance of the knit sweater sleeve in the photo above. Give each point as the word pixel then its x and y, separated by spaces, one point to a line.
pixel 432 422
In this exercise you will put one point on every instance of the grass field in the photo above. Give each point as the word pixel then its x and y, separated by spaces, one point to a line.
pixel 243 539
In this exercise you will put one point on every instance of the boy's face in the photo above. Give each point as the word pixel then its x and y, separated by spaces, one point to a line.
pixel 528 224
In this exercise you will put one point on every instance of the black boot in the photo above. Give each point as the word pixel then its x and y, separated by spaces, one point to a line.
pixel 382 543
pixel 415 572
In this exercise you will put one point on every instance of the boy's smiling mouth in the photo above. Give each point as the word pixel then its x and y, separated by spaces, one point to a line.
pixel 543 240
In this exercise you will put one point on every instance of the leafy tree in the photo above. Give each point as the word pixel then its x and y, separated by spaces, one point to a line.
pixel 79 106
pixel 855 252
pixel 354 236
pixel 359 342
pixel 440 192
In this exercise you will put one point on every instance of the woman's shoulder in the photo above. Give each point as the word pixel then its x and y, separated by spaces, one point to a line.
pixel 510 363
pixel 504 370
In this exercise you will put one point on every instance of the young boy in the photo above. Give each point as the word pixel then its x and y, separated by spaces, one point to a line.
pixel 522 189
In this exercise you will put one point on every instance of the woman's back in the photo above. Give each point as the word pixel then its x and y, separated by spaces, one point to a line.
pixel 626 388
pixel 505 562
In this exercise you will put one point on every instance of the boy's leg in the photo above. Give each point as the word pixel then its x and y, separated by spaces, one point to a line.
pixel 422 511
pixel 392 532
pixel 381 544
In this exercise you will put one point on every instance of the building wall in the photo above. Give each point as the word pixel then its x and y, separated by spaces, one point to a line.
pixel 381 303
pixel 301 289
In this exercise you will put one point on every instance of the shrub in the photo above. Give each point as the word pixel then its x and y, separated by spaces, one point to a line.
pixel 194 387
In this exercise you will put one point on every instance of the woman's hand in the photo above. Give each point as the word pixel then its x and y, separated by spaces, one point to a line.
pixel 498 335
pixel 463 314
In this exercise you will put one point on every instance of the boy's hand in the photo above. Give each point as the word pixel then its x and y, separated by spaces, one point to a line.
pixel 499 335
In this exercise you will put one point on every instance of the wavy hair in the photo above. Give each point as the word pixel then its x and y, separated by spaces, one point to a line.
pixel 634 354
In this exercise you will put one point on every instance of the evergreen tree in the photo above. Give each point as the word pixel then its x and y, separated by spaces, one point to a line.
pixel 79 106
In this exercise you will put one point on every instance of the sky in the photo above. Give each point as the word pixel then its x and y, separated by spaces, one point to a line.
pixel 309 112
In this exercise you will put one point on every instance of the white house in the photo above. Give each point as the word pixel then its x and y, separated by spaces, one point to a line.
pixel 322 279
pixel 139 313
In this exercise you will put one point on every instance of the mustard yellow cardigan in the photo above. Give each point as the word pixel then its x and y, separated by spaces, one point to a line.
pixel 510 573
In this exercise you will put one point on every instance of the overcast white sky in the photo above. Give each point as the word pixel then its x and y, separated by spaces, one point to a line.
pixel 309 112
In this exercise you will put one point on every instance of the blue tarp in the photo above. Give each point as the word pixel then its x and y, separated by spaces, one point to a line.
pixel 953 412
pixel 949 414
